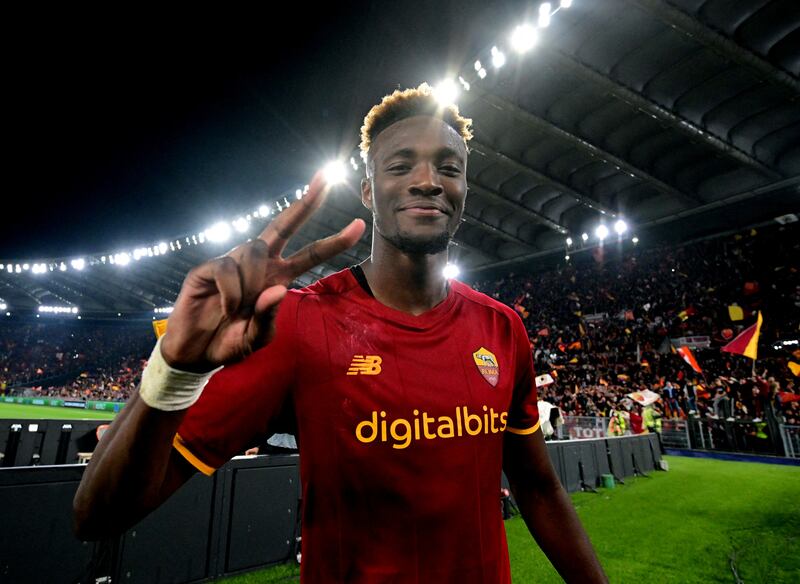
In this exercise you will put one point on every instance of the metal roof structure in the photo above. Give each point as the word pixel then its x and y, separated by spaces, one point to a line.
pixel 680 116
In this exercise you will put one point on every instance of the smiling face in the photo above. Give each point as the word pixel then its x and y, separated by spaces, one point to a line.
pixel 416 184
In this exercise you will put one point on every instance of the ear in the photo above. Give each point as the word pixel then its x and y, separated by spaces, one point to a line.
pixel 366 193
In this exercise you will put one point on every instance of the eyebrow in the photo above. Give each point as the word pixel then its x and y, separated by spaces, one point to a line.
pixel 444 152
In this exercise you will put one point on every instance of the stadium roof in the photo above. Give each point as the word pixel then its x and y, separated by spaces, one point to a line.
pixel 681 117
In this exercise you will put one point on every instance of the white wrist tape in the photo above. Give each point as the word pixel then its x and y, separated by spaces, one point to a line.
pixel 168 389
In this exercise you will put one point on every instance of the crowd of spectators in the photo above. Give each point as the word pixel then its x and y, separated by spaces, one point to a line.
pixel 76 360
pixel 602 329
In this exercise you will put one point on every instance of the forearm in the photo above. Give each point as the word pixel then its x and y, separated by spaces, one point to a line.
pixel 551 519
pixel 126 477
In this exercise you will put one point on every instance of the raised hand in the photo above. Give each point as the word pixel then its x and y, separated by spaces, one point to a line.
pixel 226 308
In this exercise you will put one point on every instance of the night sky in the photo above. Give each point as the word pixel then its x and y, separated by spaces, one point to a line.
pixel 124 129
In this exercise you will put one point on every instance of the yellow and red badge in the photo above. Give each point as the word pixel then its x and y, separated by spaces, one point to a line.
pixel 487 365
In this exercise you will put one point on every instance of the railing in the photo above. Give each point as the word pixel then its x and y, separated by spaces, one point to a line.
pixel 765 437
pixel 790 435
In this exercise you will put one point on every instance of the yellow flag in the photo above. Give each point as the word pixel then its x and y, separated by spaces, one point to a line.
pixel 735 312
pixel 795 367
pixel 160 327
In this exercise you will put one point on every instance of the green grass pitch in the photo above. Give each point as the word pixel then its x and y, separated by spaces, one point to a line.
pixel 693 524
pixel 29 412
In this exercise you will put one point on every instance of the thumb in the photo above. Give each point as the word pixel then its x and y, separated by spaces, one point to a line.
pixel 264 316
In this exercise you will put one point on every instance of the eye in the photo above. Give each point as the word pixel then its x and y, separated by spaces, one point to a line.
pixel 398 168
pixel 450 170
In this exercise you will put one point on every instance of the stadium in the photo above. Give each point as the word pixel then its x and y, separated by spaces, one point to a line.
pixel 633 200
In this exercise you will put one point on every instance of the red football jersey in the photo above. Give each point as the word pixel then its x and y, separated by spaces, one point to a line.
pixel 400 422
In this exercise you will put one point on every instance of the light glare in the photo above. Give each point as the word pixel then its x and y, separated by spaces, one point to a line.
pixel 446 92
pixel 335 173
pixel 451 271
pixel 218 232
pixel 544 14
pixel 524 38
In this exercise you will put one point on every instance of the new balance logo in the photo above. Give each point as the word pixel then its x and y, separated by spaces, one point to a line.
pixel 365 365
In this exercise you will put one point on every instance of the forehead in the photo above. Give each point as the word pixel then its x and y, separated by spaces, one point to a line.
pixel 418 133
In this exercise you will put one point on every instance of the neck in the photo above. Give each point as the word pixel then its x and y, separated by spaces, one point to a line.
pixel 412 283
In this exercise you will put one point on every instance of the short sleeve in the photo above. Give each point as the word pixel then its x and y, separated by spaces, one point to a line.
pixel 241 400
pixel 523 415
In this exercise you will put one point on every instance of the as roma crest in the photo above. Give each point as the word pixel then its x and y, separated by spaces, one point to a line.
pixel 487 365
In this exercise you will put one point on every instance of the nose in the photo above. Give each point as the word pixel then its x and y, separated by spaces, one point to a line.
pixel 425 181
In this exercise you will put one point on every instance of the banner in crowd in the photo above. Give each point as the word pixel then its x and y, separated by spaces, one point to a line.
pixel 596 317
pixel 698 342
pixel 582 427
pixel 645 397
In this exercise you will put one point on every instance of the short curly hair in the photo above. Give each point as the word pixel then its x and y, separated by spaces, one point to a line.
pixel 402 104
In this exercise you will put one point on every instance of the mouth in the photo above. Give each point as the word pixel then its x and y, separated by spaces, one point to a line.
pixel 424 210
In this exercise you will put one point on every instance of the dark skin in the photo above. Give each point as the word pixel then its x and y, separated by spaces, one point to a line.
pixel 416 189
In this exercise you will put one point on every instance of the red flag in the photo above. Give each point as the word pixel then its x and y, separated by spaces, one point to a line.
pixel 686 353
pixel 787 396
pixel 747 342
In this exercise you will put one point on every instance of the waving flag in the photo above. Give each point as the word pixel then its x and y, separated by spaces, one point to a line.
pixel 747 342
pixel 686 354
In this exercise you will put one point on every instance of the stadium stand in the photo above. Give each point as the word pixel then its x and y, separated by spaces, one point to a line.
pixel 602 328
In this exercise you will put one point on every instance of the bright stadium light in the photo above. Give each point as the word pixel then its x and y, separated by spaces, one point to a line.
pixel 620 227
pixel 335 173
pixel 218 232
pixel 584 236
pixel 298 194
pixel 544 14
pixel 569 241
pixel 446 92
pixel 566 257
pixel 3 305
pixel 78 264
pixel 26 267
pixel 162 247
pixel 478 66
pixel 482 73
pixel 451 271
pixel 524 38
pixel 122 259
pixel 241 225
pixel 498 58
pixel 635 240
pixel 565 3
pixel 601 232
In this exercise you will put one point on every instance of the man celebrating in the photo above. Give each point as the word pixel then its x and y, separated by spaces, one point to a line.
pixel 408 392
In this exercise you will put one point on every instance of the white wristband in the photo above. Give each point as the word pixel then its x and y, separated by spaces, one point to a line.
pixel 168 389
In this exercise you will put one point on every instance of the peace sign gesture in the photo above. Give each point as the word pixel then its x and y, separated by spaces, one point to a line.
pixel 227 306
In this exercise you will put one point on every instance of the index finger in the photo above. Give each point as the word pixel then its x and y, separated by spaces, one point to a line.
pixel 280 230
